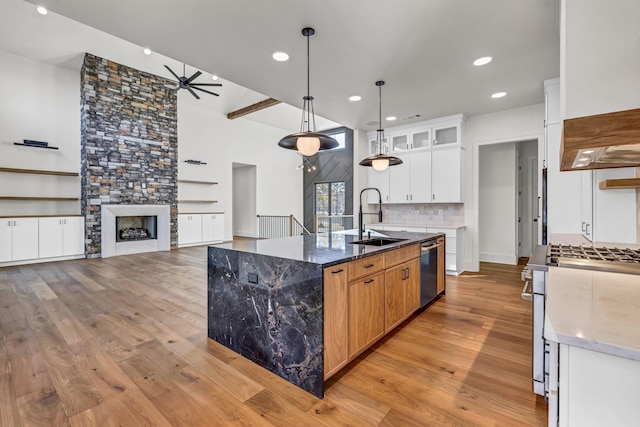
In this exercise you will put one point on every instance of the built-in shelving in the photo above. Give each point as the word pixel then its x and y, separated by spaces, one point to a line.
pixel 38 172
pixel 51 199
pixel 191 181
pixel 611 184
pixel 197 201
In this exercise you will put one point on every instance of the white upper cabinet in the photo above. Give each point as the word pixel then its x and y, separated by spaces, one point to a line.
pixel 447 175
pixel 447 134
pixel 432 168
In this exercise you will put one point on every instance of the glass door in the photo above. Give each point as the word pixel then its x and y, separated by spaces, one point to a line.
pixel 330 201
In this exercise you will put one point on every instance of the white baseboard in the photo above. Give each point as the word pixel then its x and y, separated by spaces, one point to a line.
pixel 499 258
pixel 40 260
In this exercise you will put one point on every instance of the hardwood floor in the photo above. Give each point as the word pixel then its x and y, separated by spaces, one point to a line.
pixel 122 342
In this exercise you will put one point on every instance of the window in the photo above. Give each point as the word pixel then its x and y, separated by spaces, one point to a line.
pixel 330 201
pixel 340 137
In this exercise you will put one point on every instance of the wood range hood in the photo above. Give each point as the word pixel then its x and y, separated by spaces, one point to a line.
pixel 610 140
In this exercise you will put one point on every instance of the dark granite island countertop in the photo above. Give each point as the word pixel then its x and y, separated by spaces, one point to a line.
pixel 265 298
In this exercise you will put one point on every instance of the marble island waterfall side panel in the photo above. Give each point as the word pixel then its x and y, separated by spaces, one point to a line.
pixel 276 322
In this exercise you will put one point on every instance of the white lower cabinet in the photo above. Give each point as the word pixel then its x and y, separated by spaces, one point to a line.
pixel 60 236
pixel 198 228
pixel 18 239
pixel 454 248
pixel 212 227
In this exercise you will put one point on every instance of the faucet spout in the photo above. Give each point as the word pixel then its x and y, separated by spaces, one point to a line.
pixel 361 214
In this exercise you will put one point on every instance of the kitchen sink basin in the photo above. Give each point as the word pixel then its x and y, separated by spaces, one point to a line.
pixel 378 241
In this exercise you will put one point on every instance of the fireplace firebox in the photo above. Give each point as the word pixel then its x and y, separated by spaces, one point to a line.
pixel 134 228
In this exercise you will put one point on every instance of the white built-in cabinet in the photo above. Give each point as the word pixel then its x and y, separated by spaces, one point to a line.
pixel 200 228
pixel 18 239
pixel 432 168
pixel 60 236
pixel 586 205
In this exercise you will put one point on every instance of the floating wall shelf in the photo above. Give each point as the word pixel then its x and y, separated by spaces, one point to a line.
pixel 190 181
pixel 36 146
pixel 611 184
pixel 53 199
pixel 195 162
pixel 38 172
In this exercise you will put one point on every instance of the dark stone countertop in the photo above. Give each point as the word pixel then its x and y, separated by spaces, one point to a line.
pixel 325 249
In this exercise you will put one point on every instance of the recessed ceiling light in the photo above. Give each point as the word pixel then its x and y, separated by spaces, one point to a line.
pixel 355 98
pixel 280 56
pixel 482 61
pixel 42 10
pixel 214 77
pixel 391 118
pixel 499 94
pixel 147 51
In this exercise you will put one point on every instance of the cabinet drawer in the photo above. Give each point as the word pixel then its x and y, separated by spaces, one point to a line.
pixel 365 266
pixel 401 255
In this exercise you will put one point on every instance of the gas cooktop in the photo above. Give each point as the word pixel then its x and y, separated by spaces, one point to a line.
pixel 620 260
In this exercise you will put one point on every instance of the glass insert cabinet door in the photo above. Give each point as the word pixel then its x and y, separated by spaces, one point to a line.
pixel 446 135
pixel 420 140
pixel 399 143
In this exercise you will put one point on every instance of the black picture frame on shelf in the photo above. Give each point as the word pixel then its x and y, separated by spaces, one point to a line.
pixel 36 144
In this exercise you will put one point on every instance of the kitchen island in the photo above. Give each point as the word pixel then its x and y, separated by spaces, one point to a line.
pixel 266 299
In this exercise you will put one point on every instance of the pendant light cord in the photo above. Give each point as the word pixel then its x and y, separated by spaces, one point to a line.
pixel 309 104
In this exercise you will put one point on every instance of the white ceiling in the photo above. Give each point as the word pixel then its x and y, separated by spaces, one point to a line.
pixel 423 49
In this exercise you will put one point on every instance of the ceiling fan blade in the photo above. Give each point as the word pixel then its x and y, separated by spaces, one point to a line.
pixel 195 75
pixel 192 92
pixel 171 71
pixel 206 84
pixel 202 90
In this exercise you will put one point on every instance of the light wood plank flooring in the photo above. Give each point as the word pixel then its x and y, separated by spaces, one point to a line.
pixel 122 342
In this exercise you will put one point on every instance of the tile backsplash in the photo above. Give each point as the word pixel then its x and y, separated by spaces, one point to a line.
pixel 421 214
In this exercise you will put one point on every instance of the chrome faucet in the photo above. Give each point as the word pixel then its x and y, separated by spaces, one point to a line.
pixel 361 214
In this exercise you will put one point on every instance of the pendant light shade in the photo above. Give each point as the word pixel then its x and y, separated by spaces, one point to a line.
pixel 308 142
pixel 380 161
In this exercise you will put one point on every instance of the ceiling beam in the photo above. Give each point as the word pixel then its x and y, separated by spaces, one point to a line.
pixel 269 102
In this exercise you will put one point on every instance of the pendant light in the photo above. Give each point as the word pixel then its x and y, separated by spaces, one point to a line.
pixel 308 142
pixel 380 161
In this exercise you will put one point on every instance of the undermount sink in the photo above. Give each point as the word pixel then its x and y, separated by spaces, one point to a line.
pixel 378 241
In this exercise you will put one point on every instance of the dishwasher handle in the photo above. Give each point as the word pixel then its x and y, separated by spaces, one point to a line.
pixel 430 247
pixel 526 293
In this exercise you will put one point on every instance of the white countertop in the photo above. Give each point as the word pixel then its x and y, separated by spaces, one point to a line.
pixel 594 310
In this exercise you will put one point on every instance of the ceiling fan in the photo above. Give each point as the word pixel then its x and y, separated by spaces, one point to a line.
pixel 187 83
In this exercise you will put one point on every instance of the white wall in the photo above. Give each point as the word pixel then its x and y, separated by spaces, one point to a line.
pixel 42 102
pixel 497 203
pixel 244 201
pixel 519 124
pixel 599 56
pixel 205 133
pixel 529 202
pixel 39 102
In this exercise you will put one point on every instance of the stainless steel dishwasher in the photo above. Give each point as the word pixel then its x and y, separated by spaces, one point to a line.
pixel 428 271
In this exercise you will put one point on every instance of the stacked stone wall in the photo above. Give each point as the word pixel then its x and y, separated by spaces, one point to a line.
pixel 129 132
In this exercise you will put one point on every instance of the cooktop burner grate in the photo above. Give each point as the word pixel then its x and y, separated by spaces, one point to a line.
pixel 599 257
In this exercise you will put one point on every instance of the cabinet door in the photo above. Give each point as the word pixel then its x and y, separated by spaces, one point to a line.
pixel 420 177
pixel 6 239
pixel 25 238
pixel 379 180
pixel 50 237
pixel 446 175
pixel 399 178
pixel 366 312
pixel 446 134
pixel 218 227
pixel 395 285
pixel 586 207
pixel 412 287
pixel 336 318
pixel 183 228
pixel 195 228
pixel 399 143
pixel 208 225
pixel 73 235
pixel 421 140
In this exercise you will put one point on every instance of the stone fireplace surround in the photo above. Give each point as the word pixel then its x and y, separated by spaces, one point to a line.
pixel 110 247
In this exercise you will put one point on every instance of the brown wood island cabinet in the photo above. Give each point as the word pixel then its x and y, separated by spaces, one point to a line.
pixel 365 299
